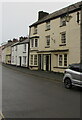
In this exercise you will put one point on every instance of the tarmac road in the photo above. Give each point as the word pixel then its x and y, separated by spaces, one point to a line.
pixel 28 96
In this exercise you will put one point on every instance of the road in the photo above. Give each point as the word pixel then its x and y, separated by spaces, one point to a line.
pixel 28 96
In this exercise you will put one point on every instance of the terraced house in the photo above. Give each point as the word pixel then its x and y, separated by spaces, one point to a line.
pixel 20 52
pixel 6 51
pixel 55 39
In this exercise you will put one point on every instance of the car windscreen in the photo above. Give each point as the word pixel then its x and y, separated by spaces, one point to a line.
pixel 76 67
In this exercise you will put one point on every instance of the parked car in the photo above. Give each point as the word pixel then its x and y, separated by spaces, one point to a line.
pixel 73 76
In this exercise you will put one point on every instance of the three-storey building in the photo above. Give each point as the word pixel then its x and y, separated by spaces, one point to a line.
pixel 55 39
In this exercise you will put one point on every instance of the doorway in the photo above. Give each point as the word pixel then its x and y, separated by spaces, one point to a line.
pixel 47 62
pixel 19 61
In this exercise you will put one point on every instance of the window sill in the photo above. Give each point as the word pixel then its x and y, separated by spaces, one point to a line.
pixel 62 25
pixel 47 46
pixel 62 44
pixel 47 29
pixel 24 52
pixel 34 33
pixel 33 65
pixel 60 67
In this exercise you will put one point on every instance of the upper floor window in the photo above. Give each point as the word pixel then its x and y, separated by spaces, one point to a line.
pixel 48 40
pixel 63 21
pixel 34 42
pixel 24 47
pixel 35 29
pixel 24 59
pixel 63 37
pixel 48 25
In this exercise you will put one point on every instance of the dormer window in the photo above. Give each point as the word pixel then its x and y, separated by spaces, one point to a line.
pixel 48 25
pixel 35 29
pixel 63 21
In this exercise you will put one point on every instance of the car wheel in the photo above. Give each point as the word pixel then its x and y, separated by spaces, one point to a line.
pixel 67 83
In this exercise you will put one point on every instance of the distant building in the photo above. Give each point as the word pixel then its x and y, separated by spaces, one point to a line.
pixel 6 51
pixel 20 53
pixel 0 54
pixel 55 39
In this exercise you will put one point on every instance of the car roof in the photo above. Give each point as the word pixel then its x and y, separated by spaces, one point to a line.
pixel 76 65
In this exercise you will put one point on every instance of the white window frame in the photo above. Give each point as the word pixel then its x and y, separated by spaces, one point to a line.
pixel 33 60
pixel 62 60
pixel 35 42
pixel 24 60
pixel 32 43
pixel 63 37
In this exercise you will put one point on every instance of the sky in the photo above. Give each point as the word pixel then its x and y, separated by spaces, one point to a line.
pixel 16 15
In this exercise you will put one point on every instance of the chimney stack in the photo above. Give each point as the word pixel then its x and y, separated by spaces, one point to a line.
pixel 42 14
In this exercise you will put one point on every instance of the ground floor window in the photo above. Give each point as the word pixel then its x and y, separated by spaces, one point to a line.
pixel 24 59
pixel 62 60
pixel 34 60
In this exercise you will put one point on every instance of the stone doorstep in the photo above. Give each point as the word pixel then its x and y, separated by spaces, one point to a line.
pixel 1 116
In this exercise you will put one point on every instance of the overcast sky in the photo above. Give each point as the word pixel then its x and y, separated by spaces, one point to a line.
pixel 17 16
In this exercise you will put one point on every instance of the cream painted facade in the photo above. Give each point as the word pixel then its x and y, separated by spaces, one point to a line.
pixel 60 52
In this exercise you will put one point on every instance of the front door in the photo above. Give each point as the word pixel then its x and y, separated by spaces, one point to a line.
pixel 39 61
pixel 47 63
pixel 20 61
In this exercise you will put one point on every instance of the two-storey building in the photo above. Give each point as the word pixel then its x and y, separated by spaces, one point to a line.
pixel 55 39
pixel 20 53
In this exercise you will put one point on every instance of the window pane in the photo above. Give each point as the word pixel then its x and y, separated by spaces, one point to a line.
pixel 63 37
pixel 32 42
pixel 48 40
pixel 24 59
pixel 31 60
pixel 36 42
pixel 65 59
pixel 60 60
pixel 35 59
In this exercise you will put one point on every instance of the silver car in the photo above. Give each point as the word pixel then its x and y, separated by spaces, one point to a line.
pixel 73 76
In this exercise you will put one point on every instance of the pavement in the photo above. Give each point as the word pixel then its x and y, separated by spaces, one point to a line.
pixel 38 73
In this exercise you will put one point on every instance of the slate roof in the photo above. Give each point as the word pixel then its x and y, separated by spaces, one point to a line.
pixel 21 42
pixel 70 9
